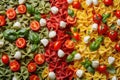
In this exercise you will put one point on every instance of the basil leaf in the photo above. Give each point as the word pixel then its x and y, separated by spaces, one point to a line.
pixel 30 9
pixel 104 17
pixel 71 12
pixel 111 69
pixel 23 33
pixel 70 58
pixel 37 17
pixel 91 70
pixel 34 47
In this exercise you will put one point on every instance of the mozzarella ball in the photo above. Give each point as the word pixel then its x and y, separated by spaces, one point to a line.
pixel 54 10
pixel 114 78
pixel 14 78
pixel 89 2
pixel 79 73
pixel 44 42
pixel 51 75
pixel 52 34
pixel 17 24
pixel 95 2
pixel 95 64
pixel 61 53
pixel 21 1
pixel 1 43
pixel 63 24
pixel 43 22
pixel 77 56
pixel 17 55
pixel 69 1
pixel 94 26
pixel 86 39
pixel 111 60
pixel 118 22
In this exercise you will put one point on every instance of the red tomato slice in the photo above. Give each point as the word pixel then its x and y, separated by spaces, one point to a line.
pixel 113 35
pixel 21 9
pixel 14 66
pixel 76 36
pixel 117 13
pixel 11 14
pixel 108 2
pixel 39 59
pixel 35 25
pixel 5 59
pixel 2 20
pixel 76 4
pixel 102 29
pixel 97 18
pixel 102 68
pixel 43 15
pixel 34 77
pixel 32 67
pixel 57 45
pixel 69 44
pixel 117 47
pixel 21 43
pixel 71 20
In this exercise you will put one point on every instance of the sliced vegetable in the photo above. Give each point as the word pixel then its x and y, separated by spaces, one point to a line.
pixel 14 65
pixel 57 45
pixel 11 14
pixel 70 57
pixel 39 59
pixel 71 20
pixel 117 13
pixel 34 77
pixel 5 59
pixel 102 29
pixel 108 2
pixel 97 18
pixel 111 69
pixel 76 4
pixel 31 67
pixel 21 43
pixel 69 44
pixel 71 12
pixel 102 68
pixel 76 36
pixel 2 20
pixel 104 17
pixel 35 26
pixel 113 35
pixel 30 9
pixel 21 9
pixel 117 46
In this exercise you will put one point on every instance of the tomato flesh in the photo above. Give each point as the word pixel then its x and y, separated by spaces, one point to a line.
pixel 76 36
pixel 14 66
pixel 97 18
pixel 11 14
pixel 21 9
pixel 117 13
pixel 108 2
pixel 57 45
pixel 35 25
pixel 102 29
pixel 39 59
pixel 34 77
pixel 69 44
pixel 76 4
pixel 113 35
pixel 5 59
pixel 102 68
pixel 31 67
pixel 117 47
pixel 2 20
pixel 71 20
pixel 21 43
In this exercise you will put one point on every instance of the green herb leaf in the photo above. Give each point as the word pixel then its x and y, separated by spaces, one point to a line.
pixel 104 17
pixel 71 12
pixel 111 69
pixel 91 69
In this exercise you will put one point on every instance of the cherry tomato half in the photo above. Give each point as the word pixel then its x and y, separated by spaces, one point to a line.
pixel 5 59
pixel 21 43
pixel 97 18
pixel 34 77
pixel 76 36
pixel 14 65
pixel 102 29
pixel 31 67
pixel 35 25
pixel 2 20
pixel 39 59
pixel 117 13
pixel 71 20
pixel 21 9
pixel 108 2
pixel 117 46
pixel 113 35
pixel 11 14
pixel 76 5
pixel 102 68
pixel 69 44
pixel 57 45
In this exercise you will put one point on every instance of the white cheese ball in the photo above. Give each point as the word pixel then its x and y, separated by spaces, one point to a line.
pixel 52 34
pixel 1 43
pixel 77 56
pixel 61 53
pixel 43 22
pixel 51 75
pixel 17 24
pixel 111 60
pixel 114 78
pixel 21 1
pixel 69 1
pixel 54 10
pixel 63 24
pixel 17 55
pixel 95 2
pixel 79 73
pixel 44 42
pixel 95 64
pixel 86 39
pixel 118 22
pixel 94 26
pixel 89 2
pixel 14 78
